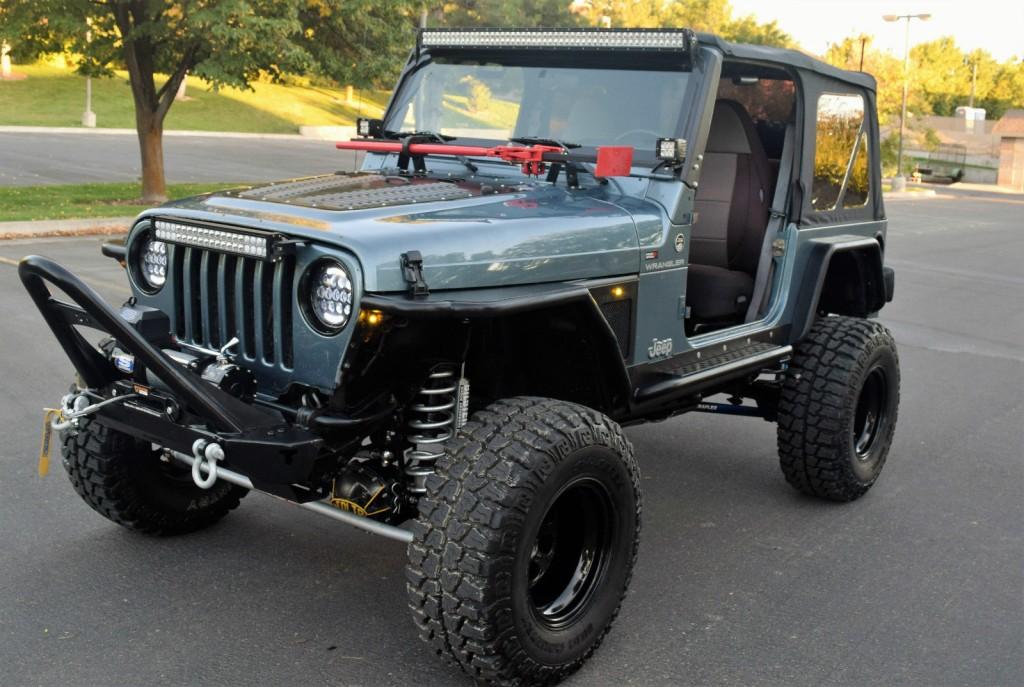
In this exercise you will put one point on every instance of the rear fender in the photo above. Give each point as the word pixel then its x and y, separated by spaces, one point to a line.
pixel 842 276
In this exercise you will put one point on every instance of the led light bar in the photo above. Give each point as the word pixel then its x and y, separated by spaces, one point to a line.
pixel 671 149
pixel 213 239
pixel 613 39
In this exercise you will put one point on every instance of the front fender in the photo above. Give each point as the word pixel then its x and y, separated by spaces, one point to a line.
pixel 521 328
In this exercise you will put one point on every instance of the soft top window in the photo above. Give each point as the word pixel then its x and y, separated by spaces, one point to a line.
pixel 841 165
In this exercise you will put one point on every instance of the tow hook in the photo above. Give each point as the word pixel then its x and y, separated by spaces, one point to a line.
pixel 206 455
pixel 76 405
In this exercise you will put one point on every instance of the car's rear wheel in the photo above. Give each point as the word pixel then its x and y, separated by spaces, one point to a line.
pixel 125 481
pixel 837 410
pixel 526 540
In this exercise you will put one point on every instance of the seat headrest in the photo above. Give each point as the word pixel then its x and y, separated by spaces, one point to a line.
pixel 729 126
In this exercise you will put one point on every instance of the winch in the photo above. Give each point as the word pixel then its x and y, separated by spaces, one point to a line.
pixel 212 366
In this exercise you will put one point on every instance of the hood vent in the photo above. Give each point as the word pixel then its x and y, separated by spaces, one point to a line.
pixel 390 195
pixel 300 188
pixel 358 191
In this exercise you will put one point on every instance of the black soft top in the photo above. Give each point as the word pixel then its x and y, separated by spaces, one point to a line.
pixel 786 57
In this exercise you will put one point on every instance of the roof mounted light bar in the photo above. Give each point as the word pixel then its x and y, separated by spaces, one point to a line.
pixel 672 40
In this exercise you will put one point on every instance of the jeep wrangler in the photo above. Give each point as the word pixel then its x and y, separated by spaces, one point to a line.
pixel 553 234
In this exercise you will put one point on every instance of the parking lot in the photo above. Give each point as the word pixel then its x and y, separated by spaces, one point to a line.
pixel 741 581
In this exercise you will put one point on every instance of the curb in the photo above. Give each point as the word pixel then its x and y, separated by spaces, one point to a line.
pixel 107 226
pixel 907 195
pixel 306 133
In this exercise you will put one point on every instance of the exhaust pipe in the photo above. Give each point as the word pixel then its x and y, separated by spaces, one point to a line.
pixel 365 524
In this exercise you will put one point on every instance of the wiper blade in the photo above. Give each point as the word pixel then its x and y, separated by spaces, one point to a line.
pixel 541 141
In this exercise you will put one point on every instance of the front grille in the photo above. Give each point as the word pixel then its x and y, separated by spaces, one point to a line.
pixel 218 296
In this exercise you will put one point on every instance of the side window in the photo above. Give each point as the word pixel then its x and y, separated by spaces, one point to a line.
pixel 857 185
pixel 841 170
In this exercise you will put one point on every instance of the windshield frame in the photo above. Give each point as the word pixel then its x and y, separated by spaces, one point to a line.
pixel 561 59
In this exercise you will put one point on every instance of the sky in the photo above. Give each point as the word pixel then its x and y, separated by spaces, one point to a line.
pixel 995 25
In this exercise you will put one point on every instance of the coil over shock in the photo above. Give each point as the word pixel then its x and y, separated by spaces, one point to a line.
pixel 438 410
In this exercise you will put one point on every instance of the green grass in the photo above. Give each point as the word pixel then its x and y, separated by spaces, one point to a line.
pixel 81 201
pixel 55 96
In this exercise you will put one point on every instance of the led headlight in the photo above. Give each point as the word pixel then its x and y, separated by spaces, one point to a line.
pixel 330 296
pixel 151 262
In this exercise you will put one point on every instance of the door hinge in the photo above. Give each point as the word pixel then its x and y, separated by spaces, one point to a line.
pixel 412 272
pixel 778 247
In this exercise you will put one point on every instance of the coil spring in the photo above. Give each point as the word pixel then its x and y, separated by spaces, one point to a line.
pixel 432 423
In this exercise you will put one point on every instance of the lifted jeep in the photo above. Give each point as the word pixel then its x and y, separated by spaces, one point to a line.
pixel 553 234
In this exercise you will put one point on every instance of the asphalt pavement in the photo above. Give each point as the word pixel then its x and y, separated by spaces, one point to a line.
pixel 741 581
pixel 28 159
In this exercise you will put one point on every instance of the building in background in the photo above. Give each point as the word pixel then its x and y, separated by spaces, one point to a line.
pixel 1010 130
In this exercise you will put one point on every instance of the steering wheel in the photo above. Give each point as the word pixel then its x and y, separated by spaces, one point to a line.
pixel 625 134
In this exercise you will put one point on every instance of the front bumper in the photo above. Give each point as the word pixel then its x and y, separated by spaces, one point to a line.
pixel 283 456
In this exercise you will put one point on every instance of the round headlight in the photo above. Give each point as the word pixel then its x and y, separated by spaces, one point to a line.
pixel 151 257
pixel 330 295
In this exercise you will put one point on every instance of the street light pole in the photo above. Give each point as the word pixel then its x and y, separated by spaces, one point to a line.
pixel 899 182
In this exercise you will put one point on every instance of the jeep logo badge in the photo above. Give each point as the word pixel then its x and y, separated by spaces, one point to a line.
pixel 680 243
pixel 659 348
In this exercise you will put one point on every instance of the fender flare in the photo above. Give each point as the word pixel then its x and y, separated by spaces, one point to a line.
pixel 867 252
pixel 481 304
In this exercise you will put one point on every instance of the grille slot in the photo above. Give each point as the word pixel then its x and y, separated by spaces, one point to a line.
pixel 219 296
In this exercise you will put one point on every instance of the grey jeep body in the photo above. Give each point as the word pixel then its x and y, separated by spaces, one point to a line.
pixel 328 339
pixel 506 243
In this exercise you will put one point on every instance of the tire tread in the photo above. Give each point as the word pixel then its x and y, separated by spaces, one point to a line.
pixel 454 577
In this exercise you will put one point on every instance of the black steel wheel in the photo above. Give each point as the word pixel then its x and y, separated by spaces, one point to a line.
pixel 525 542
pixel 570 552
pixel 838 407
pixel 125 481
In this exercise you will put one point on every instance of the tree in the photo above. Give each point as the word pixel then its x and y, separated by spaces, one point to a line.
pixel 1007 89
pixel 748 30
pixel 501 13
pixel 884 66
pixel 358 42
pixel 712 16
pixel 223 42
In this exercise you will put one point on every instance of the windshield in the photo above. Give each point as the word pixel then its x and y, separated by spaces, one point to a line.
pixel 589 106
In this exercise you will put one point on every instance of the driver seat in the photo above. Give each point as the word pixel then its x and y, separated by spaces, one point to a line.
pixel 731 203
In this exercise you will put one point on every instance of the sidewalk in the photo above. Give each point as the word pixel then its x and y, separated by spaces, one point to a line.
pixel 318 133
pixel 65 227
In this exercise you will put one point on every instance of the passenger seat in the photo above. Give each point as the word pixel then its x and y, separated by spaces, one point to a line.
pixel 732 204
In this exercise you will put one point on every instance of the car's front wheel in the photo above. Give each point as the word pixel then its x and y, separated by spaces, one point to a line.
pixel 526 540
pixel 124 480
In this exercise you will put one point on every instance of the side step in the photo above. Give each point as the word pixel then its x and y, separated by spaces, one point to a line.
pixel 691 376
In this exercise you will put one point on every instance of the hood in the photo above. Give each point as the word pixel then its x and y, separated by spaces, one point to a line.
pixel 471 233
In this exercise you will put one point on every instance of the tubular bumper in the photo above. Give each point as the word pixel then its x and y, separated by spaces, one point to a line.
pixel 275 454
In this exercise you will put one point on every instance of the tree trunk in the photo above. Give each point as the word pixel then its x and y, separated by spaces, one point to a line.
pixel 150 129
